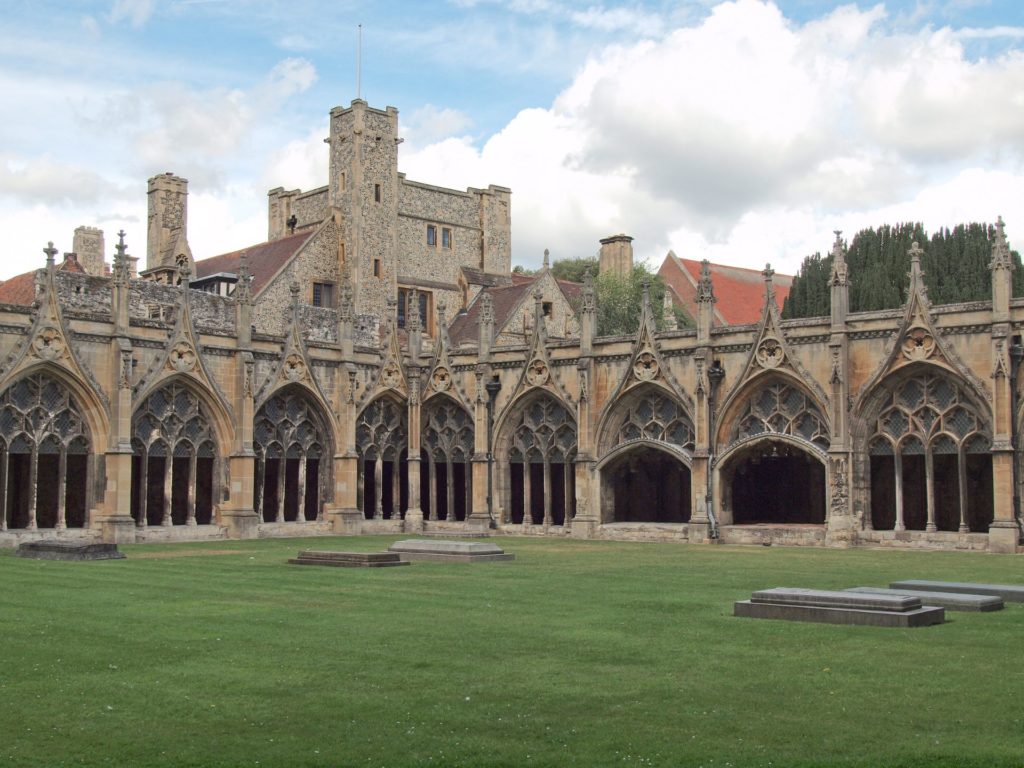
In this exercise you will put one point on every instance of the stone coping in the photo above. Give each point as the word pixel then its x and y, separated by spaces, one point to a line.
pixel 1011 593
pixel 951 601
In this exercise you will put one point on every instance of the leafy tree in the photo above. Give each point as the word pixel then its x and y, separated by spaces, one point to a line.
pixel 519 269
pixel 619 301
pixel 574 269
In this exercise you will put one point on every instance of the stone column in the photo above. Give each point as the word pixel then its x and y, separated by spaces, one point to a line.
pixel 193 482
pixel 567 476
pixel 300 514
pixel 33 486
pixel 378 487
pixel 260 474
pixel 898 459
pixel 4 457
pixel 62 490
pixel 450 490
pixel 433 513
pixel 281 493
pixel 929 485
pixel 143 489
pixel 961 466
pixel 396 489
pixel 547 493
pixel 527 506
pixel 414 509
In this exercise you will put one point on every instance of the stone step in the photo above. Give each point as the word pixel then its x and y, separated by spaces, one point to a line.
pixel 951 601
pixel 348 559
pixel 824 598
pixel 917 617
pixel 66 550
pixel 1011 593
pixel 449 551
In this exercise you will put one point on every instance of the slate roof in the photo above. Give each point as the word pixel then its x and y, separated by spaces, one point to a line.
pixel 265 259
pixel 740 291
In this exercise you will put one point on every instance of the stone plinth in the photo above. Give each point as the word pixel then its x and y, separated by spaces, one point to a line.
pixel 449 551
pixel 348 559
pixel 951 601
pixel 1011 593
pixel 63 550
pixel 836 607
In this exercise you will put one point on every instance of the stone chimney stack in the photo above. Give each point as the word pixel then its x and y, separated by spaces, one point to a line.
pixel 617 254
pixel 88 244
pixel 167 241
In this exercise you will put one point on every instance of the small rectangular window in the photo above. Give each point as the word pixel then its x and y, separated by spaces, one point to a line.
pixel 323 295
pixel 404 297
pixel 376 267
pixel 546 306
pixel 376 193
pixel 403 300
pixel 431 235
pixel 446 238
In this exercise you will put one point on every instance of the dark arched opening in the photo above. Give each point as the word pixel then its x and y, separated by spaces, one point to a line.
pixel 645 485
pixel 775 482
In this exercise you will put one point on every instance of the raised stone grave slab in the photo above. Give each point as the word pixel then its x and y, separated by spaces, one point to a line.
pixel 838 607
pixel 1011 593
pixel 348 559
pixel 951 601
pixel 449 551
pixel 68 550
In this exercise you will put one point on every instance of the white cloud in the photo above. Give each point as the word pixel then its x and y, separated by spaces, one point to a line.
pixel 135 12
pixel 47 181
pixel 430 124
pixel 618 20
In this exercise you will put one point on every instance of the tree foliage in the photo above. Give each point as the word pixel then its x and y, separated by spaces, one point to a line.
pixel 955 263
pixel 619 298
pixel 574 269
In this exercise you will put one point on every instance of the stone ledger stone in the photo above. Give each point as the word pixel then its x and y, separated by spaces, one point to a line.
pixel 1011 593
pixel 347 559
pixel 449 551
pixel 838 607
pixel 951 601
pixel 63 550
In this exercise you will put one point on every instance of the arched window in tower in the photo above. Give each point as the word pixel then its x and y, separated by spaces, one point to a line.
pixel 541 464
pixel 930 459
pixel 173 463
pixel 381 441
pixel 446 486
pixel 290 438
pixel 43 456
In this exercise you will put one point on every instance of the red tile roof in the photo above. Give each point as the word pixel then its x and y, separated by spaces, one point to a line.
pixel 740 292
pixel 466 327
pixel 21 289
pixel 265 259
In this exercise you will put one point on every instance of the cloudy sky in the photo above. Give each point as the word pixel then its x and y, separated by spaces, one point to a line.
pixel 743 131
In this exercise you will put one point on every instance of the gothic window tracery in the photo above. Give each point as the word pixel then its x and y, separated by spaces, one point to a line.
pixel 448 447
pixel 930 458
pixel 42 456
pixel 174 448
pixel 783 409
pixel 290 444
pixel 381 440
pixel 543 447
pixel 655 416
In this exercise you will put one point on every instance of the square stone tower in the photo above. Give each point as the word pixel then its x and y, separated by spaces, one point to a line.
pixel 167 248
pixel 88 244
pixel 363 194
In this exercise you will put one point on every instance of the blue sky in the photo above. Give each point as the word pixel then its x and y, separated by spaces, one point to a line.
pixel 744 132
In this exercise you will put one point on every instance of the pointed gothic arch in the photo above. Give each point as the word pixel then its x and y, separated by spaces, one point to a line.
pixel 646 443
pixel 447 444
pixel 175 464
pixel 45 454
pixel 535 449
pixel 925 439
pixel 382 439
pixel 293 441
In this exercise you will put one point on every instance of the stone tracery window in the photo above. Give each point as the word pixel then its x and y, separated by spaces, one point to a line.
pixel 43 455
pixel 448 448
pixel 541 455
pixel 930 458
pixel 657 417
pixel 381 440
pixel 289 439
pixel 174 452
pixel 783 409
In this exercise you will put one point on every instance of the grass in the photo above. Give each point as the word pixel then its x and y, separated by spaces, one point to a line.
pixel 578 653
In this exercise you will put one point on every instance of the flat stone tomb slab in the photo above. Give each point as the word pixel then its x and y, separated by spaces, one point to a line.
pixel 348 559
pixel 951 601
pixel 838 607
pixel 1011 593
pixel 449 551
pixel 68 550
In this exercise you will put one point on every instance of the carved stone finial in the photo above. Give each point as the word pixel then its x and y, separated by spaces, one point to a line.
pixel 294 288
pixel 50 252
pixel 486 309
pixel 1001 258
pixel 121 270
pixel 413 321
pixel 915 253
pixel 840 275
pixel 588 299
pixel 705 288
pixel 441 307
pixel 547 258
pixel 646 288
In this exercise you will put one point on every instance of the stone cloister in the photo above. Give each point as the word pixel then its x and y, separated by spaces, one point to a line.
pixel 895 428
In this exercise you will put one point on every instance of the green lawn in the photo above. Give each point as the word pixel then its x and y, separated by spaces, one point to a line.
pixel 578 653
